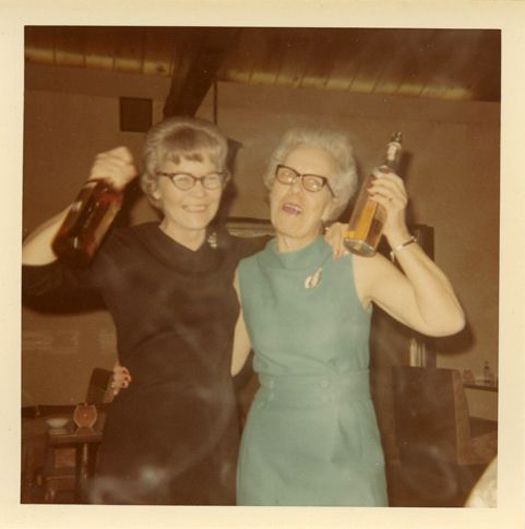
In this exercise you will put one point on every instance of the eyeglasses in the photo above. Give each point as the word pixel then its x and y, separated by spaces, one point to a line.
pixel 311 182
pixel 186 181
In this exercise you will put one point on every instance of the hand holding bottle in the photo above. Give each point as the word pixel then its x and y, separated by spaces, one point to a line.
pixel 115 167
pixel 389 191
pixel 75 233
pixel 95 208
pixel 369 215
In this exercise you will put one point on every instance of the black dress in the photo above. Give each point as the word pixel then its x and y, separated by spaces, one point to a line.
pixel 172 436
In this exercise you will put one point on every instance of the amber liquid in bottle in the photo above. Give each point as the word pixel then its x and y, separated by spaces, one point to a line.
pixel 368 217
pixel 86 223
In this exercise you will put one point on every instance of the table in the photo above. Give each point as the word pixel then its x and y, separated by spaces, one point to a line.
pixel 39 440
pixel 481 386
pixel 85 441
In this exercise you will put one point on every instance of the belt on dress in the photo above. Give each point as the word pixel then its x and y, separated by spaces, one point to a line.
pixel 309 389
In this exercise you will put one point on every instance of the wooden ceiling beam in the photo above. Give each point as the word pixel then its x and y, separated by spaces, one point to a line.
pixel 204 50
pixel 426 63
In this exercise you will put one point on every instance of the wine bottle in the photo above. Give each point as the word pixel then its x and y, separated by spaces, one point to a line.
pixel 87 222
pixel 368 217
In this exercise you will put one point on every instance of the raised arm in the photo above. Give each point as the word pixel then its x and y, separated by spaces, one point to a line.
pixel 420 296
pixel 241 339
pixel 36 249
pixel 115 166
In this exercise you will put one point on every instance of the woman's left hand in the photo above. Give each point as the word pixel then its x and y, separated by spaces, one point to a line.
pixel 389 191
pixel 334 235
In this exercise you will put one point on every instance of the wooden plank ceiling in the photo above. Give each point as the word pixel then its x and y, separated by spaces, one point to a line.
pixel 425 63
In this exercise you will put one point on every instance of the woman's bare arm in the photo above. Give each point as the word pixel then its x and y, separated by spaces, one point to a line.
pixel 115 166
pixel 420 296
pixel 241 341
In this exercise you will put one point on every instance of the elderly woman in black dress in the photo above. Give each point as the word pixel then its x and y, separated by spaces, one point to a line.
pixel 172 437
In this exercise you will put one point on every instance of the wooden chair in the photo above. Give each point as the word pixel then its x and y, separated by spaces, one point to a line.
pixel 440 460
pixel 98 386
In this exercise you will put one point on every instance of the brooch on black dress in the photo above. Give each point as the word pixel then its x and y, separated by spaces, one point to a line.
pixel 212 240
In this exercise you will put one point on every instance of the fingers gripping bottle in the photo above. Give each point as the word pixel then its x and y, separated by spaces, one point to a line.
pixel 368 217
pixel 86 222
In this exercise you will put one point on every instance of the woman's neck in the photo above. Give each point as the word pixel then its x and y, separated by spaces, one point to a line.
pixel 191 239
pixel 286 243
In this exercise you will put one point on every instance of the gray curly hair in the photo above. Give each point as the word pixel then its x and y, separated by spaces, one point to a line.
pixel 179 138
pixel 337 144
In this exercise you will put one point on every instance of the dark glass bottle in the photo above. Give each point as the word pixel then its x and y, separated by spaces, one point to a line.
pixel 86 223
pixel 368 217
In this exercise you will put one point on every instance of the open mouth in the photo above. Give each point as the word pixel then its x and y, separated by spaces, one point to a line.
pixel 292 209
pixel 195 208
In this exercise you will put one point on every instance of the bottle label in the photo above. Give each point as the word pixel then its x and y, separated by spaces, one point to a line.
pixel 76 206
pixel 366 223
pixel 392 150
pixel 105 222
pixel 87 222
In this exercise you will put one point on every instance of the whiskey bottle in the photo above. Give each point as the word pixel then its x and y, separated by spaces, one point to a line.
pixel 87 222
pixel 368 217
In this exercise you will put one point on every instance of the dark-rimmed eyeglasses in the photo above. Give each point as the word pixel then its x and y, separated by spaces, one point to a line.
pixel 311 182
pixel 185 181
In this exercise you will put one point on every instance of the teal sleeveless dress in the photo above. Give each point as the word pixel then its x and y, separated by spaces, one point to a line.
pixel 311 437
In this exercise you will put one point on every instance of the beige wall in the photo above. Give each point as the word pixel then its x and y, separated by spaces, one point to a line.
pixel 452 178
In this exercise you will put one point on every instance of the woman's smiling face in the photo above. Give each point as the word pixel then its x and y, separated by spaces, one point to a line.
pixel 193 209
pixel 297 214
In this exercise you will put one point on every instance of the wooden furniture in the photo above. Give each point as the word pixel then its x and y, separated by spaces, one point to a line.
pixel 57 460
pixel 34 452
pixel 481 387
pixel 439 458
pixel 98 385
pixel 72 452
pixel 84 443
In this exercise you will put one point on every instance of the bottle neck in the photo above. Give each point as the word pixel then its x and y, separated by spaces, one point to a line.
pixel 393 155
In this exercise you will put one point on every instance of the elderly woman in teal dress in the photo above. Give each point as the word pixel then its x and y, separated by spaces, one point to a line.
pixel 311 437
